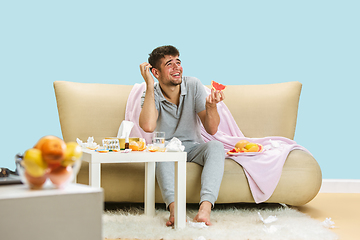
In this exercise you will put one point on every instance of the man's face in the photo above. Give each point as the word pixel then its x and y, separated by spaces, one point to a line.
pixel 170 72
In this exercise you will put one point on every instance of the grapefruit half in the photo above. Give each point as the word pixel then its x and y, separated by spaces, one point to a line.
pixel 217 86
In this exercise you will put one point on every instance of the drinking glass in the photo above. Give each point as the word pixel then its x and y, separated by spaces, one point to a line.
pixel 159 139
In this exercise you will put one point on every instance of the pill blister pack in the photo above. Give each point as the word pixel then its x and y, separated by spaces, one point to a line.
pixel 111 144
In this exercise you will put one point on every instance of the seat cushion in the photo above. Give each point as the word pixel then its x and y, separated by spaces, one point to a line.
pixel 299 183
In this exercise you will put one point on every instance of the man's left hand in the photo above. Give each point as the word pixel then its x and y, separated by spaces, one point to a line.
pixel 214 97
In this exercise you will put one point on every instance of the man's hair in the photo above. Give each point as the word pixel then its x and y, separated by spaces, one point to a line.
pixel 160 52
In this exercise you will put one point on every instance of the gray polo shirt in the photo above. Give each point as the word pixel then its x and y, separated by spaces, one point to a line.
pixel 181 121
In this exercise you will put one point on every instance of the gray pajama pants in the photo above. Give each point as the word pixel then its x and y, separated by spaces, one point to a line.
pixel 210 155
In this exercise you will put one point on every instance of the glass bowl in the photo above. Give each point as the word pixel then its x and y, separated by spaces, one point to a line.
pixel 57 177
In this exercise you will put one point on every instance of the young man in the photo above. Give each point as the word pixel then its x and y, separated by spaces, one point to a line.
pixel 174 106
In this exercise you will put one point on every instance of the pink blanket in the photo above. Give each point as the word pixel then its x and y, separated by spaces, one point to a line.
pixel 263 170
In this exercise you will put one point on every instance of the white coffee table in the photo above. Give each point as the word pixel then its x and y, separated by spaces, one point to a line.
pixel 149 158
pixel 72 212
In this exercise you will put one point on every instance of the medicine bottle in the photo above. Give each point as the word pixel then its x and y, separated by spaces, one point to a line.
pixel 127 143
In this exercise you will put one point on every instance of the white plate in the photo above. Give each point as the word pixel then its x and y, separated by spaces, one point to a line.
pixel 244 153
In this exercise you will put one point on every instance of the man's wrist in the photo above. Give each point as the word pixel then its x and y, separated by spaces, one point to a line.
pixel 150 86
pixel 210 107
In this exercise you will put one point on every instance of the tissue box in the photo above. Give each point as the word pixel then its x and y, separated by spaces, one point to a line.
pixel 122 141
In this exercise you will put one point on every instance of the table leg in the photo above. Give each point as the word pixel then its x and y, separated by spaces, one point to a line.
pixel 180 194
pixel 94 174
pixel 150 188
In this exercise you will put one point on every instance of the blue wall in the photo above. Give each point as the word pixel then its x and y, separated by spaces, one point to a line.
pixel 232 42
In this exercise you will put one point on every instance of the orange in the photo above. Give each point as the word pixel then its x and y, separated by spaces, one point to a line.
pixel 142 145
pixel 53 150
pixel 134 146
pixel 42 140
pixel 241 144
pixel 137 146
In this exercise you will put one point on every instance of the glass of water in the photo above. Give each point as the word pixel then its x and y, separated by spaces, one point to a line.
pixel 159 139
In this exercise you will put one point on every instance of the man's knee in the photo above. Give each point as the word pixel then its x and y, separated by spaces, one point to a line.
pixel 215 151
pixel 215 147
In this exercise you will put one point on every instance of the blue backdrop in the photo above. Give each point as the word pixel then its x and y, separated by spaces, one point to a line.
pixel 232 42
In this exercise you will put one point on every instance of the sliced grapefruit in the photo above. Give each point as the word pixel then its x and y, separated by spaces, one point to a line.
pixel 217 86
pixel 153 149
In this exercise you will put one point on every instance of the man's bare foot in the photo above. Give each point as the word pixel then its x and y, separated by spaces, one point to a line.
pixel 204 213
pixel 171 218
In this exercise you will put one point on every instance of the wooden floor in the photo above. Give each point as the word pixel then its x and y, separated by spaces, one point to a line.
pixel 342 208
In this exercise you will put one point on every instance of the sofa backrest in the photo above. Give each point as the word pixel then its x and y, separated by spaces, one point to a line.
pixel 90 109
pixel 264 110
pixel 93 109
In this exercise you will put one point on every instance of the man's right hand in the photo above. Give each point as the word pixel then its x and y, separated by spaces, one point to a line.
pixel 149 114
pixel 145 72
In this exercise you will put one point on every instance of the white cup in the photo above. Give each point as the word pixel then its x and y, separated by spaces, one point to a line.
pixel 159 139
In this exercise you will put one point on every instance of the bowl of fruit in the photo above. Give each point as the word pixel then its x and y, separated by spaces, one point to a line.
pixel 50 161
pixel 244 147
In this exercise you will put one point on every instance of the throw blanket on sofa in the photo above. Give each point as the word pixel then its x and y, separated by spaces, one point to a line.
pixel 263 170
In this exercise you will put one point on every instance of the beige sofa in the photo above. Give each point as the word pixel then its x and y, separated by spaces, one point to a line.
pixel 87 109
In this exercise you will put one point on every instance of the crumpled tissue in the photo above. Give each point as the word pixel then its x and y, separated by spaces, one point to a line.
pixel 175 145
pixel 273 145
pixel 201 238
pixel 270 219
pixel 328 223
pixel 197 224
pixel 89 144
pixel 271 229
pixel 284 205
